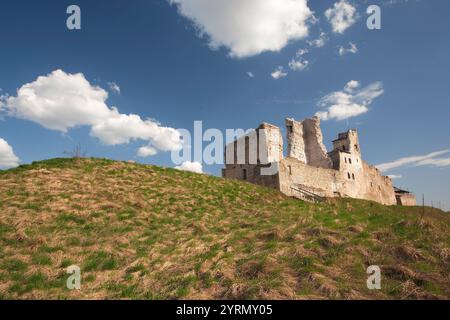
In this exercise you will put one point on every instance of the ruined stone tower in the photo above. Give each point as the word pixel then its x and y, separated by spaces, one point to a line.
pixel 305 142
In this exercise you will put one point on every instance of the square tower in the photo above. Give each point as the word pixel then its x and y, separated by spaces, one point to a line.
pixel 348 142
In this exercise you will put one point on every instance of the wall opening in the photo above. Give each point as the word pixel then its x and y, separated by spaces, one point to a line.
pixel 244 173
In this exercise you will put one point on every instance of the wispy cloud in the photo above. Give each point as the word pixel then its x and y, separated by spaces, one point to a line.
pixel 319 42
pixel 441 162
pixel 351 49
pixel 422 160
pixel 114 87
pixel 3 98
pixel 299 63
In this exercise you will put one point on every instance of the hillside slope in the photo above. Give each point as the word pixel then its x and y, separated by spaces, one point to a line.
pixel 144 232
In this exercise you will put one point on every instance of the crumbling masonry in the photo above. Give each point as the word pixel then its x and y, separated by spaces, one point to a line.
pixel 308 171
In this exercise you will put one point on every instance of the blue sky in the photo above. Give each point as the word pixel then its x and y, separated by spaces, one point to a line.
pixel 167 71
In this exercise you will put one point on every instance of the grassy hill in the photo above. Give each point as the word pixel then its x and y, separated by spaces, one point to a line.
pixel 145 232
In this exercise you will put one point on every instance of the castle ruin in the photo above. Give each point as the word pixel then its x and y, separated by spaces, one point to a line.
pixel 308 171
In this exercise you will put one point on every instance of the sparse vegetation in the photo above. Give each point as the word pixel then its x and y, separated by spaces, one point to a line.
pixel 145 232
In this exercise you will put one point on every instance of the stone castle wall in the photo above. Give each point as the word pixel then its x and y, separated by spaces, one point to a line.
pixel 295 175
pixel 406 200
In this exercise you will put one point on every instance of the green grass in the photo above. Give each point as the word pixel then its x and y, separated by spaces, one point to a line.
pixel 146 232
pixel 41 259
pixel 100 261
pixel 14 265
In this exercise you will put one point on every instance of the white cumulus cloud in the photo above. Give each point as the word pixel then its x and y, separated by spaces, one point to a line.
pixel 341 105
pixel 248 27
pixel 279 73
pixel 341 16
pixel 191 166
pixel 7 157
pixel 146 151
pixel 61 101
